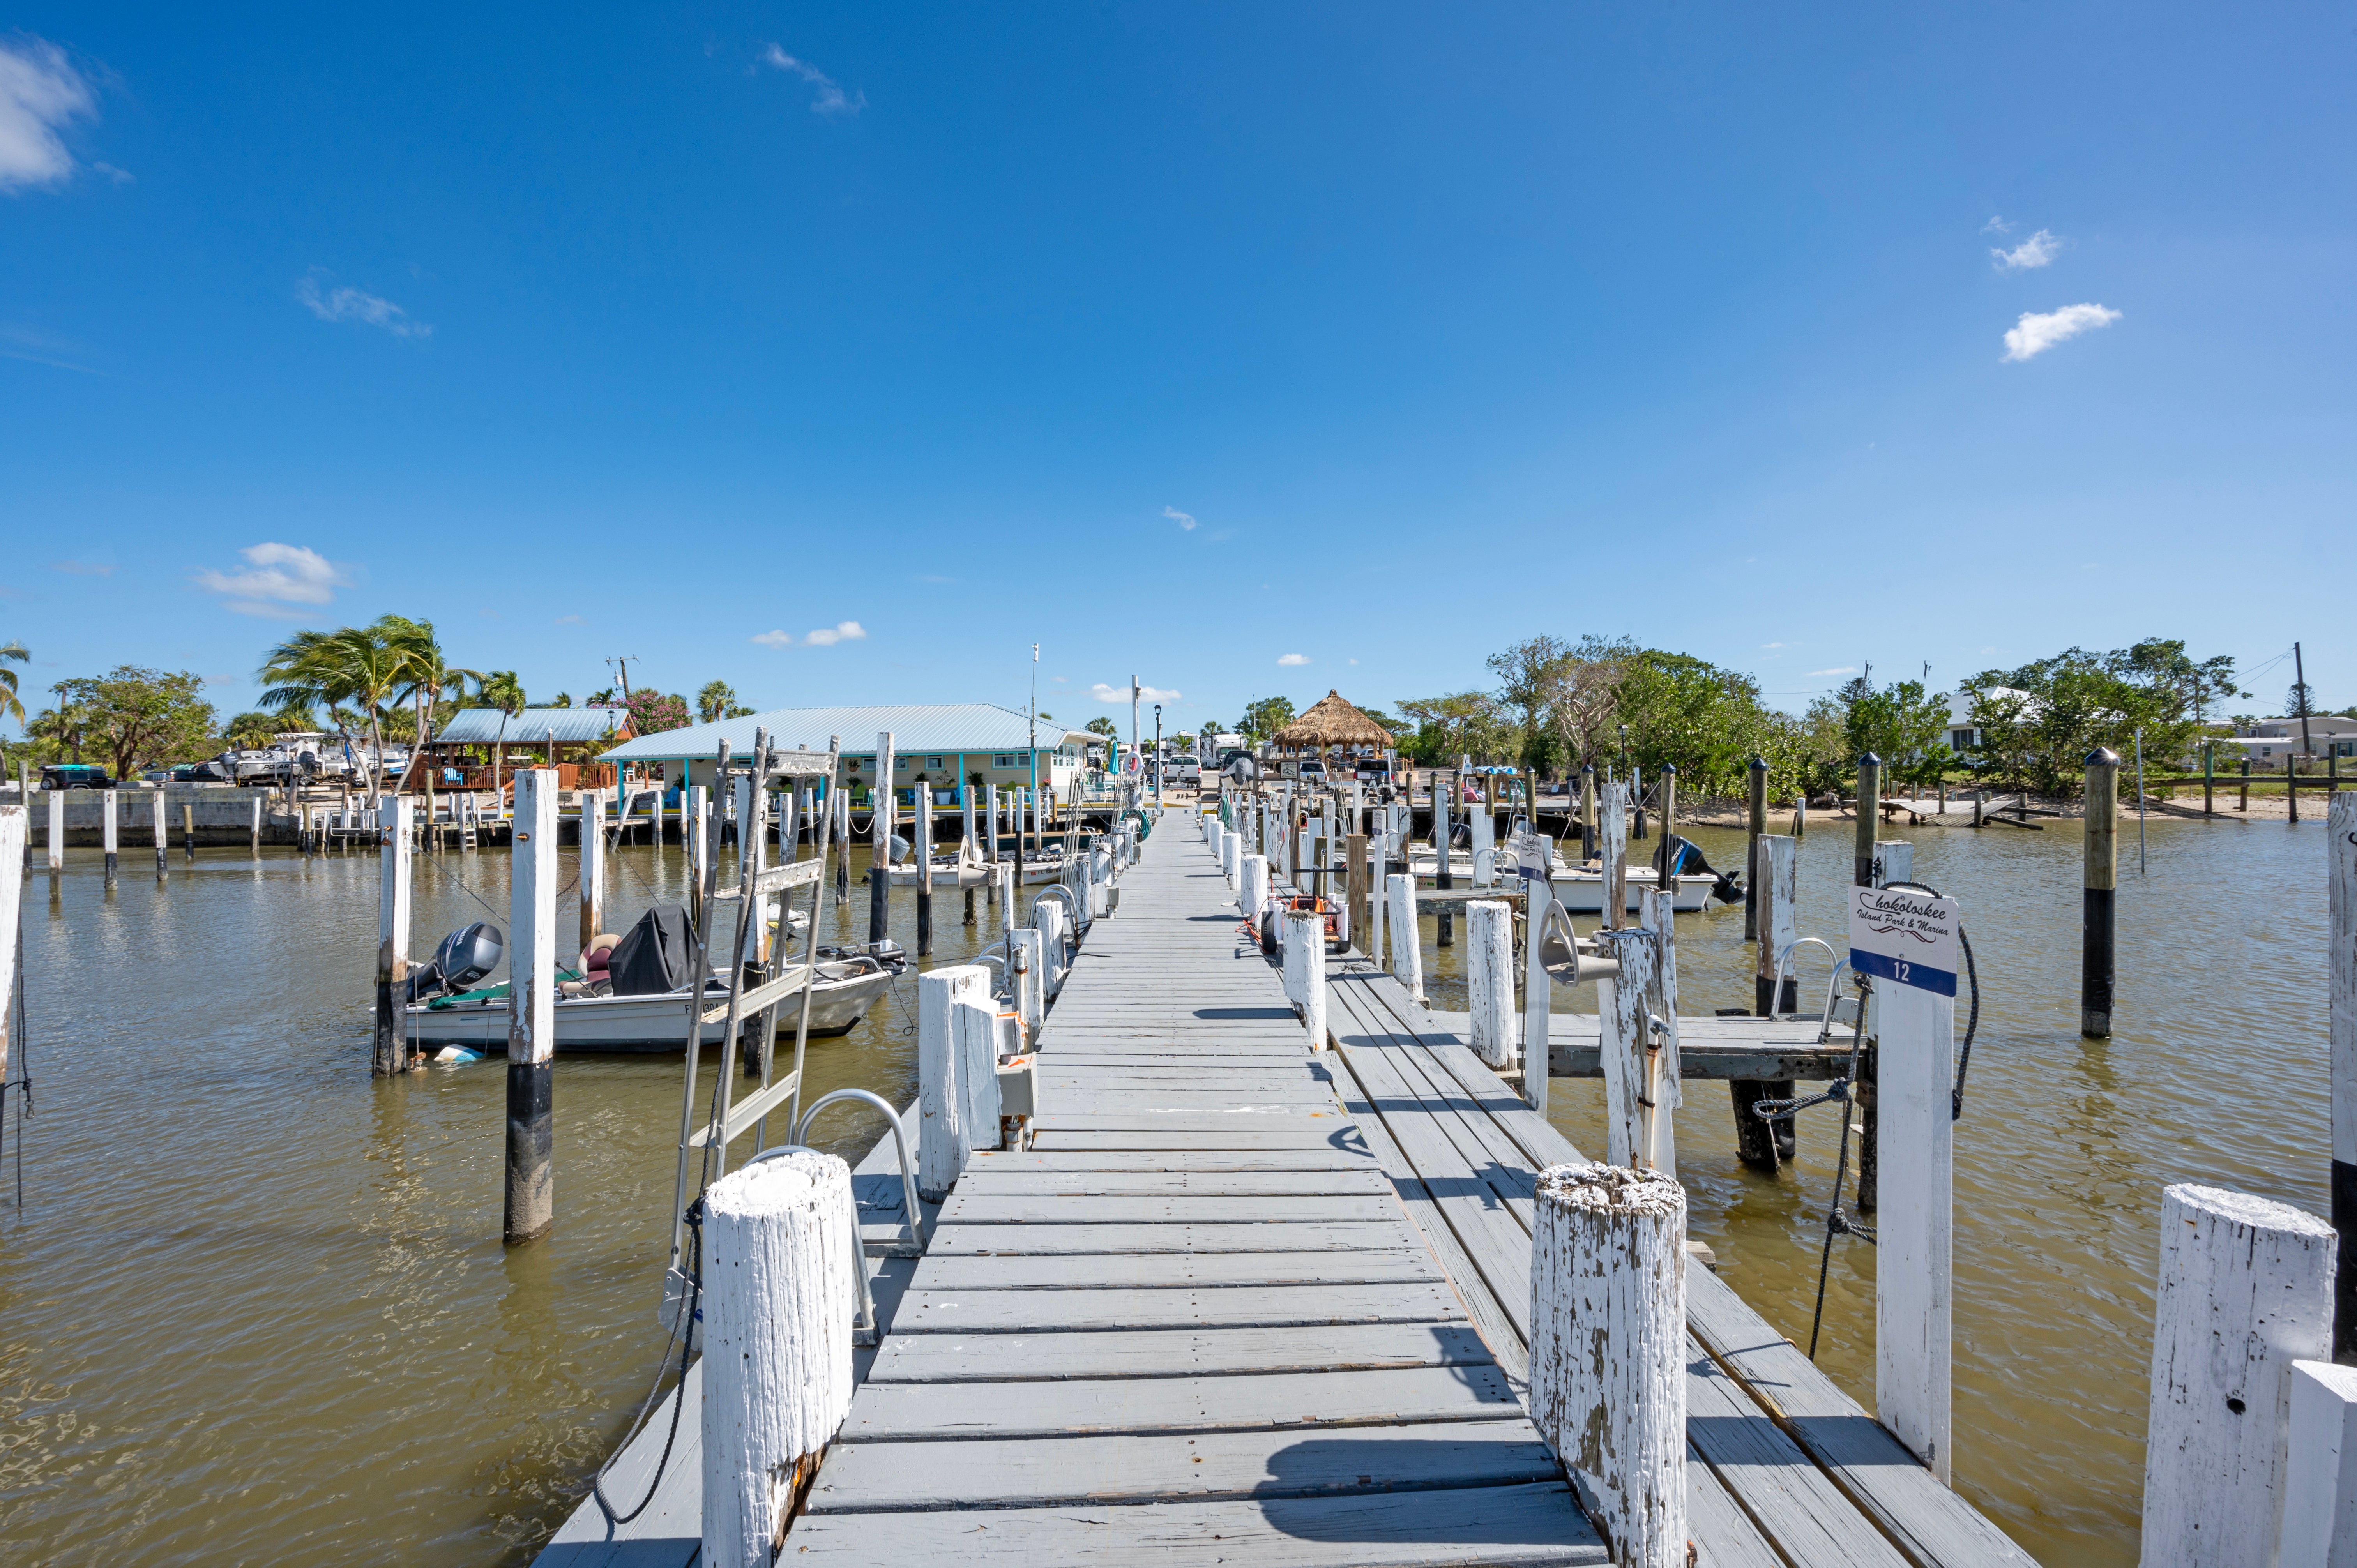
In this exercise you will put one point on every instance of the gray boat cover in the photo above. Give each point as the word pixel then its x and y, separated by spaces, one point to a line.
pixel 653 958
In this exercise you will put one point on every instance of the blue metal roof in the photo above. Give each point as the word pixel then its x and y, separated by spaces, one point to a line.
pixel 571 726
pixel 935 727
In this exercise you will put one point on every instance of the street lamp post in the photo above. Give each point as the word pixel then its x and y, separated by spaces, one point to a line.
pixel 1160 765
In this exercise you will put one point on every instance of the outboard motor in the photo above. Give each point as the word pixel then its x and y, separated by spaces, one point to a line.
pixel 465 956
pixel 896 849
pixel 1679 853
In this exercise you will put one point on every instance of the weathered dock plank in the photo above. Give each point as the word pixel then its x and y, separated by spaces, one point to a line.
pixel 1187 1353
pixel 1276 1306
pixel 1271 1236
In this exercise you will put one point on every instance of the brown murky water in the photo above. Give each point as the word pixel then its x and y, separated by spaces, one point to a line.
pixel 255 1306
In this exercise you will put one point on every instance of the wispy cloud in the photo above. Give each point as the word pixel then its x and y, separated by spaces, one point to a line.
pixel 2037 250
pixel 38 348
pixel 278 577
pixel 774 638
pixel 1837 670
pixel 1291 659
pixel 573 620
pixel 40 93
pixel 83 568
pixel 1771 647
pixel 2035 333
pixel 355 305
pixel 841 632
pixel 1997 226
pixel 1104 694
pixel 828 99
pixel 1180 518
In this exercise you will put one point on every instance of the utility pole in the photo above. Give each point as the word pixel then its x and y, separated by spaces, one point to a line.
pixel 2299 678
pixel 621 663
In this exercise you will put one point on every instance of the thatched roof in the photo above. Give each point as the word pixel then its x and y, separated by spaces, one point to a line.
pixel 1331 720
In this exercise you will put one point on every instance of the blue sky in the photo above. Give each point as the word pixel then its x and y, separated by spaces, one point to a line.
pixel 1182 340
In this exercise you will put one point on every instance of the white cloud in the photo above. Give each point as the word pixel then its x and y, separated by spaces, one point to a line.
pixel 1180 518
pixel 39 91
pixel 829 99
pixel 277 576
pixel 774 638
pixel 353 304
pixel 1840 669
pixel 2035 252
pixel 841 632
pixel 1997 226
pixel 573 620
pixel 2034 334
pixel 1292 659
pixel 1772 646
pixel 1354 662
pixel 1104 694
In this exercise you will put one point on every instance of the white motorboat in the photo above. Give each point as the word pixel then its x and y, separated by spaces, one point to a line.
pixel 639 1002
pixel 1580 889
pixel 657 1022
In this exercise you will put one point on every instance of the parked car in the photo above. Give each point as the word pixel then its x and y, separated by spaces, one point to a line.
pixel 1186 772
pixel 74 775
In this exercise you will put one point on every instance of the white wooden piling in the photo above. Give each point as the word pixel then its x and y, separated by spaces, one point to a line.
pixel 108 836
pixel 1378 893
pixel 1255 886
pixel 1489 979
pixel 1485 846
pixel 256 803
pixel 1538 897
pixel 58 829
pixel 1608 1351
pixel 2319 1528
pixel 15 835
pixel 1613 852
pixel 593 863
pixel 943 1139
pixel 881 813
pixel 2340 848
pixel 1914 1291
pixel 1029 980
pixel 156 801
pixel 1407 942
pixel 780 1241
pixel 391 935
pixel 973 1036
pixel 695 837
pixel 2246 1289
pixel 1231 857
pixel 924 858
pixel 1624 1035
pixel 532 1009
pixel 1664 1082
pixel 1304 971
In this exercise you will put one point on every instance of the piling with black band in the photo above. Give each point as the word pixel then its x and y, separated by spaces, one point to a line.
pixel 2102 880
pixel 1862 871
pixel 1755 824
pixel 531 1150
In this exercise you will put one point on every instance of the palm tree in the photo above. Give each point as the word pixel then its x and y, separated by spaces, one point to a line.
pixel 425 675
pixel 503 691
pixel 11 707
pixel 357 665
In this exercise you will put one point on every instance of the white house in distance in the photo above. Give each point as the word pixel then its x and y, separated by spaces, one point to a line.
pixel 944 744
pixel 1962 738
pixel 2271 743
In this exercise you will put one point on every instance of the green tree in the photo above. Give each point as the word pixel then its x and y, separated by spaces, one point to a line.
pixel 2039 722
pixel 500 690
pixel 718 701
pixel 361 665
pixel 251 731
pixel 427 675
pixel 138 716
pixel 562 700
pixel 1460 724
pixel 1101 725
pixel 11 706
pixel 1684 710
pixel 1901 723
pixel 1265 716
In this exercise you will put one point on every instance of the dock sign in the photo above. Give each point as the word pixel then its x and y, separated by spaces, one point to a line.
pixel 1531 855
pixel 1903 935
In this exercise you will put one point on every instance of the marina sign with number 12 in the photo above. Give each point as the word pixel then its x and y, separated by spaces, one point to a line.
pixel 1905 935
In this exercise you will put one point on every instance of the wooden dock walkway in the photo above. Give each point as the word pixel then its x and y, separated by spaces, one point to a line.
pixel 1240 1303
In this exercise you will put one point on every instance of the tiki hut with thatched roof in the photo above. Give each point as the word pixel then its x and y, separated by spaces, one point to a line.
pixel 1333 725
